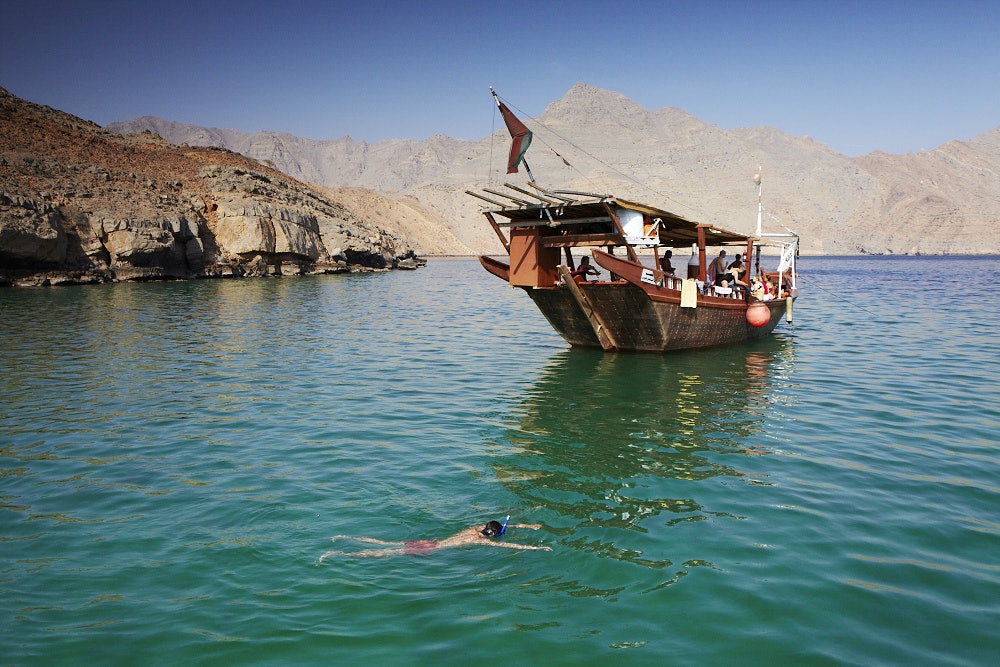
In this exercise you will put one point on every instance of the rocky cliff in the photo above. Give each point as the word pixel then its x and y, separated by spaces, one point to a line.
pixel 945 200
pixel 79 204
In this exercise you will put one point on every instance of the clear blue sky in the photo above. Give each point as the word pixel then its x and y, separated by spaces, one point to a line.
pixel 897 76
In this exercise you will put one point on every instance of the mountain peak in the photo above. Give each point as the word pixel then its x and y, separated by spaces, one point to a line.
pixel 586 102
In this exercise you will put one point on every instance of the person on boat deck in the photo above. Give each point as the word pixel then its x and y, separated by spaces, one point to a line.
pixel 665 265
pixel 585 269
pixel 717 267
pixel 470 536
pixel 762 289
pixel 736 270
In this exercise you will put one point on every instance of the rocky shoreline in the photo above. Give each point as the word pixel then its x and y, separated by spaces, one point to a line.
pixel 80 205
pixel 257 267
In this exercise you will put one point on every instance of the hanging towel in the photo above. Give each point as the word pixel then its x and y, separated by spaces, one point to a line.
pixel 689 294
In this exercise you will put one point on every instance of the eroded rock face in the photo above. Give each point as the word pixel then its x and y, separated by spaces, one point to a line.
pixel 78 204
pixel 30 234
pixel 144 245
pixel 270 219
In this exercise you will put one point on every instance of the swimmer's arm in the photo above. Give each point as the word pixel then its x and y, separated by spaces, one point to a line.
pixel 532 526
pixel 511 545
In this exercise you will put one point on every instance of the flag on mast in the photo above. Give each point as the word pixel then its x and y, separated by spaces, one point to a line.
pixel 520 134
pixel 787 257
pixel 756 179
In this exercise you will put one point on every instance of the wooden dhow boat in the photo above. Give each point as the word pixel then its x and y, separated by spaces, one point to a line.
pixel 638 306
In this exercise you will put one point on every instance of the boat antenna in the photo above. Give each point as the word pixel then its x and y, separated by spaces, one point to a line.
pixel 760 201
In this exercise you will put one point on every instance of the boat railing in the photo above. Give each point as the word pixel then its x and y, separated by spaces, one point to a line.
pixel 736 292
pixel 724 292
pixel 673 282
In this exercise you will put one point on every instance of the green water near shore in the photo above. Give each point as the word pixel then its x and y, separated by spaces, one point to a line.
pixel 175 457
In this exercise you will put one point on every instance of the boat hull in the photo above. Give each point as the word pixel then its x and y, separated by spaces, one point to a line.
pixel 635 323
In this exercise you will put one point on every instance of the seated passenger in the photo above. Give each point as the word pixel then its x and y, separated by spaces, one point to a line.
pixel 585 269
pixel 757 289
pixel 665 265
pixel 723 288
pixel 736 270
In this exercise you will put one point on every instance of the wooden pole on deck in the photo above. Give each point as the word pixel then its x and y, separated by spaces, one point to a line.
pixel 496 228
pixel 608 343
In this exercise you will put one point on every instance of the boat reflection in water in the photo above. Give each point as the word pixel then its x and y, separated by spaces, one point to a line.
pixel 617 446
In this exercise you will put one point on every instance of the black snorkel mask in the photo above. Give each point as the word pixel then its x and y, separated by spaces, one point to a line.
pixel 494 528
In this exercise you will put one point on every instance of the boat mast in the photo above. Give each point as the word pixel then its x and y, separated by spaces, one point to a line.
pixel 760 205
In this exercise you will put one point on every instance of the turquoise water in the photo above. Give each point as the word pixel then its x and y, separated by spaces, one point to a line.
pixel 175 457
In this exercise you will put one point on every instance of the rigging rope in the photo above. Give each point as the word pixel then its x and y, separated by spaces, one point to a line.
pixel 798 276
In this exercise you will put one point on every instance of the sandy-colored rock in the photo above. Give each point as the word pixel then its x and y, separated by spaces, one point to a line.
pixel 31 235
pixel 143 246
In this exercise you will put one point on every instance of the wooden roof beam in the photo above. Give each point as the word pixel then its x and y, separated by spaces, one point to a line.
pixel 568 200
pixel 582 194
pixel 532 194
pixel 479 196
pixel 578 240
pixel 520 202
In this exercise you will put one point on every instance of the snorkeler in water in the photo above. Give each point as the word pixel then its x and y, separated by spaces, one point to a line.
pixel 471 535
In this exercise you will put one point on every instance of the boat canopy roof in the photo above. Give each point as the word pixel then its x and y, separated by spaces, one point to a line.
pixel 563 209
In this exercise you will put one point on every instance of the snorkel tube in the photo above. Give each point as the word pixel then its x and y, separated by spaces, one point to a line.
pixel 504 526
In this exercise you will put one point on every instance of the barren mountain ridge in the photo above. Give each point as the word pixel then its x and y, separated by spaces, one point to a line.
pixel 940 201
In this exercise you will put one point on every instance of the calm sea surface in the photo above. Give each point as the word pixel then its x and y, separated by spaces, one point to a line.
pixel 175 457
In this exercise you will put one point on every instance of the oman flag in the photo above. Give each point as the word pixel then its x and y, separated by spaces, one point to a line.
pixel 520 134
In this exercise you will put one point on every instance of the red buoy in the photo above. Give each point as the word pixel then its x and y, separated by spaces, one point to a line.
pixel 758 314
